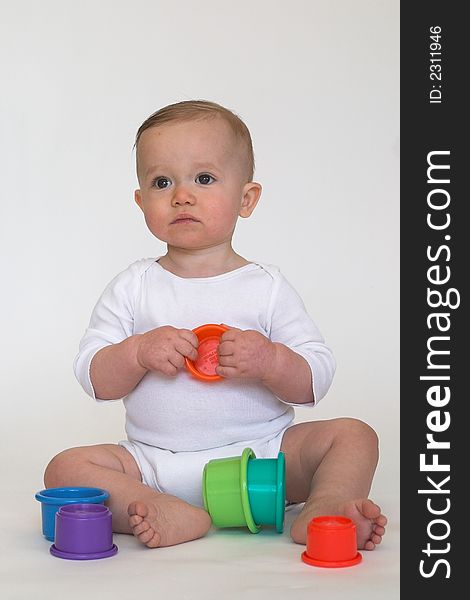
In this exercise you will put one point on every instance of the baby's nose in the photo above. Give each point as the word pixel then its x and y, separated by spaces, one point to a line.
pixel 183 195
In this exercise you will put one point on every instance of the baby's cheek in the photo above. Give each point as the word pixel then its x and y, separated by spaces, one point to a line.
pixel 221 222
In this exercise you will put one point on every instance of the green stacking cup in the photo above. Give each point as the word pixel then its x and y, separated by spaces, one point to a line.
pixel 225 491
pixel 267 490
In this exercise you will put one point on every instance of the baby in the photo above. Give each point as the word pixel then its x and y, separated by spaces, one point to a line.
pixel 195 171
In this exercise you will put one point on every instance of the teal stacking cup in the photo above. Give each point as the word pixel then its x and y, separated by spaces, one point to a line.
pixel 267 490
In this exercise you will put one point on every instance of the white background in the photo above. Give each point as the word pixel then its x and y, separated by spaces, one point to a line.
pixel 316 83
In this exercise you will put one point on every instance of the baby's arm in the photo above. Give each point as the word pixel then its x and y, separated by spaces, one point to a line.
pixel 116 369
pixel 290 378
pixel 249 354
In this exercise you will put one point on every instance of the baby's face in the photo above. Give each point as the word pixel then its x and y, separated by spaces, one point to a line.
pixel 192 182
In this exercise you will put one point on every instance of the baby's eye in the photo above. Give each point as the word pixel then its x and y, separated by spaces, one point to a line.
pixel 204 179
pixel 161 182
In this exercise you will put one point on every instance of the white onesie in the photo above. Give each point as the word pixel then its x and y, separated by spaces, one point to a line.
pixel 182 414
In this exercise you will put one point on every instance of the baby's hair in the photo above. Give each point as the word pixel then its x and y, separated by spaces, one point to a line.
pixel 194 110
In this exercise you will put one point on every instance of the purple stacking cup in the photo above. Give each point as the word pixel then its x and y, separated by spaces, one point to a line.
pixel 83 532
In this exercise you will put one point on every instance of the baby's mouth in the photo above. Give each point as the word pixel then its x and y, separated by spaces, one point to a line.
pixel 184 218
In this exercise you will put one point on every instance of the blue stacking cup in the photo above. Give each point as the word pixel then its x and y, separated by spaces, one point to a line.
pixel 52 499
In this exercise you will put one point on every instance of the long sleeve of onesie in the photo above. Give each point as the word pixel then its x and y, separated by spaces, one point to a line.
pixel 291 325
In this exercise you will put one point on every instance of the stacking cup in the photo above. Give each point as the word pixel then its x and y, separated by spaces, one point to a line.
pixel 83 532
pixel 331 542
pixel 225 491
pixel 53 498
pixel 267 490
pixel 203 368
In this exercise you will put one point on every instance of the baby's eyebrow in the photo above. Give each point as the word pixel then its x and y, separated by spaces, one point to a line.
pixel 196 166
pixel 206 165
pixel 153 169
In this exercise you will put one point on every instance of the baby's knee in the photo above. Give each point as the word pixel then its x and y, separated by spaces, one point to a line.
pixel 62 467
pixel 359 430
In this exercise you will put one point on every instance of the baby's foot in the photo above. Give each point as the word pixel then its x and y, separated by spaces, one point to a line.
pixel 167 521
pixel 370 522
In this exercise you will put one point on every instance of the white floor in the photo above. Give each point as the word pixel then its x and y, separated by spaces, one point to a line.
pixel 232 564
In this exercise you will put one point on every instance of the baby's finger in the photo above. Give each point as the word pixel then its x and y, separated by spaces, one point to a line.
pixel 176 359
pixel 227 372
pixel 168 368
pixel 189 336
pixel 230 335
pixel 185 348
pixel 225 348
pixel 227 361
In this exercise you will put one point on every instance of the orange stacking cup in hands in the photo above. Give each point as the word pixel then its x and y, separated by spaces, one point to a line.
pixel 331 542
pixel 209 339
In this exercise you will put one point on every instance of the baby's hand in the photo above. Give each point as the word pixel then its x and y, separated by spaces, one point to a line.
pixel 248 354
pixel 163 349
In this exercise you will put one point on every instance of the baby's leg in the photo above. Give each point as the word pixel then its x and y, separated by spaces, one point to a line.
pixel 155 519
pixel 329 466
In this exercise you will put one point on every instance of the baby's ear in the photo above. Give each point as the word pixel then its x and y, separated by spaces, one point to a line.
pixel 250 197
pixel 138 199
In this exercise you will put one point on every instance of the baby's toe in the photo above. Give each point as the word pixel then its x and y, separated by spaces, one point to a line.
pixel 141 528
pixel 145 536
pixel 137 509
pixel 154 541
pixel 135 520
pixel 376 539
pixel 378 530
pixel 370 509
pixel 381 520
pixel 150 538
